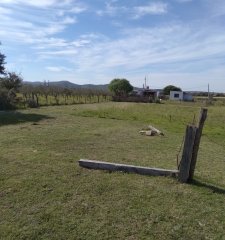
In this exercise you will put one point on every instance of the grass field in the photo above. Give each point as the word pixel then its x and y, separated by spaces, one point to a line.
pixel 44 194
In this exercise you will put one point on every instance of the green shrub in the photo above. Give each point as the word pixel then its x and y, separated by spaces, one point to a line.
pixel 32 103
pixel 6 102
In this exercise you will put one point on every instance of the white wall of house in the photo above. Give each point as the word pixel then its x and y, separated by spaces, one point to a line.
pixel 187 97
pixel 180 96
pixel 176 95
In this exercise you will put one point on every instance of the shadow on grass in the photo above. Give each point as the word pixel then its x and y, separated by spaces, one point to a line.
pixel 14 117
pixel 208 186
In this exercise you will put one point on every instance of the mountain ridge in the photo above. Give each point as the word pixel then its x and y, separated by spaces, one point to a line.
pixel 68 84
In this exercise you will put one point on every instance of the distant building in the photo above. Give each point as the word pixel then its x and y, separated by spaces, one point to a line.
pixel 146 92
pixel 145 95
pixel 180 96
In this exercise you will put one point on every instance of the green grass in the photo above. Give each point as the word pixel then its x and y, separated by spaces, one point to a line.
pixel 44 194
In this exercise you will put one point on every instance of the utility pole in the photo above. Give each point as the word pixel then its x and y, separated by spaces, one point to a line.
pixel 208 93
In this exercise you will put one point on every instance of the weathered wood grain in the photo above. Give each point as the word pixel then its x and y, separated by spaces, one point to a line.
pixel 187 153
pixel 202 118
pixel 92 164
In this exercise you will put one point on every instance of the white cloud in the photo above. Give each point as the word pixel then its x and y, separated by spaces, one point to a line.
pixel 37 3
pixel 154 8
pixel 80 42
pixel 5 11
pixel 68 20
pixel 183 1
pixel 58 69
pixel 64 53
pixel 78 9
pixel 216 8
pixel 111 9
pixel 24 25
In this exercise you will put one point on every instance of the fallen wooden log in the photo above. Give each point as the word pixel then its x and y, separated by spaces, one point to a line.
pixel 155 130
pixel 92 164
pixel 151 131
pixel 147 132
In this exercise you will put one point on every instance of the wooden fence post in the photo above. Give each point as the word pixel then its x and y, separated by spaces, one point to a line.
pixel 202 118
pixel 187 153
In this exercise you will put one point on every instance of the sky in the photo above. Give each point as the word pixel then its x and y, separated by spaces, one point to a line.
pixel 178 42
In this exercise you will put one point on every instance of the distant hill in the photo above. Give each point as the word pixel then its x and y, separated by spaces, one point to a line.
pixel 67 84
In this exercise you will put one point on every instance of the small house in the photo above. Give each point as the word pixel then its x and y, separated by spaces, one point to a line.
pixel 180 96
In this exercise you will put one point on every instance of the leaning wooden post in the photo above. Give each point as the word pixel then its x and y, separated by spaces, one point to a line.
pixel 202 118
pixel 187 153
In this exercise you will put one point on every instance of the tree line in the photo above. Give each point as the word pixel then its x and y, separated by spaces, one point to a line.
pixel 47 94
pixel 15 94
